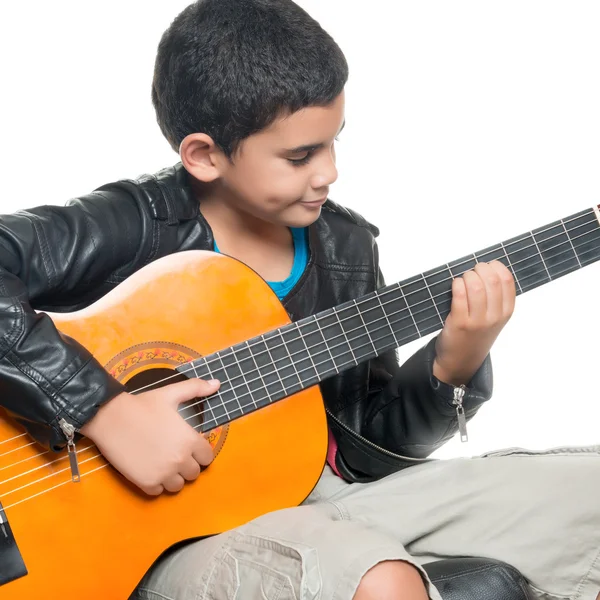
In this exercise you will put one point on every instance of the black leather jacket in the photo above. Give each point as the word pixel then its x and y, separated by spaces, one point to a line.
pixel 383 416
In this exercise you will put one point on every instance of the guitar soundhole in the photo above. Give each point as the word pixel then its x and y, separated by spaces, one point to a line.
pixel 152 379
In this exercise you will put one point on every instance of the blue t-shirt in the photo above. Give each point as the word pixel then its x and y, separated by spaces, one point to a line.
pixel 283 288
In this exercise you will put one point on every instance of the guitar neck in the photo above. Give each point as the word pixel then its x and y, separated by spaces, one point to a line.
pixel 282 362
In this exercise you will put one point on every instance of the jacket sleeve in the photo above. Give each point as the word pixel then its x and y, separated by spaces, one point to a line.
pixel 410 412
pixel 48 255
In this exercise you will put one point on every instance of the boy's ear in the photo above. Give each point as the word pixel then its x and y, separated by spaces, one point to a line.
pixel 201 157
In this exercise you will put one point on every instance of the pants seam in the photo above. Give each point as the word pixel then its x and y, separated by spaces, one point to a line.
pixel 586 577
pixel 152 595
pixel 341 509
pixel 548 594
pixel 207 577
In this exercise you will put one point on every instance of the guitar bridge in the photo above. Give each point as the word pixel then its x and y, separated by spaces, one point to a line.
pixel 11 562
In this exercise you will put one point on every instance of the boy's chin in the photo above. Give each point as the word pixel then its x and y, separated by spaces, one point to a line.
pixel 301 216
pixel 300 223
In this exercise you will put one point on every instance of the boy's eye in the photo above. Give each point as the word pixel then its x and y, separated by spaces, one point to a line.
pixel 301 161
pixel 306 158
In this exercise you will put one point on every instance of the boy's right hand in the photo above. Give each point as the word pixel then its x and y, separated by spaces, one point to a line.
pixel 147 440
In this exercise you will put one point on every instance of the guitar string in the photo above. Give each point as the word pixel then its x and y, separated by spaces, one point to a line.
pixel 4 509
pixel 67 468
pixel 407 310
pixel 329 347
pixel 23 460
pixel 81 450
pixel 11 439
pixel 589 212
pixel 25 446
pixel 302 351
pixel 245 382
pixel 392 289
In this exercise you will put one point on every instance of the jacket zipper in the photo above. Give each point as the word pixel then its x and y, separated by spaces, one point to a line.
pixel 69 431
pixel 369 443
pixel 459 395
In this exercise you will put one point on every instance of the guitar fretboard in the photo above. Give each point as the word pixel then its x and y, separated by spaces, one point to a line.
pixel 282 362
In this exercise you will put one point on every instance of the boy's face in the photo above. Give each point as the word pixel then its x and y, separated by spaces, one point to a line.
pixel 282 174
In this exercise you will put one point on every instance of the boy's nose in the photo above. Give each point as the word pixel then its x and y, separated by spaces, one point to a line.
pixel 326 174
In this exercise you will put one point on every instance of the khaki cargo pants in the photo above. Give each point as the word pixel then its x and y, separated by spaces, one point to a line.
pixel 538 511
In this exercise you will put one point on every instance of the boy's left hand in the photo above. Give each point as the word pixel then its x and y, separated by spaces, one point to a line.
pixel 483 301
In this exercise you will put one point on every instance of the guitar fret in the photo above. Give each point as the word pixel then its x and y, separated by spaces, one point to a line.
pixel 316 345
pixel 586 234
pixel 527 260
pixel 426 316
pixel 253 377
pixel 272 383
pixel 432 299
pixel 259 371
pixel 354 328
pixel 218 402
pixel 213 417
pixel 541 255
pixel 330 323
pixel 594 257
pixel 291 361
pixel 409 311
pixel 462 265
pixel 365 327
pixel 194 369
pixel 592 253
pixel 345 336
pixel 302 352
pixel 498 253
pixel 326 345
pixel 439 285
pixel 556 249
pixel 207 402
pixel 571 242
pixel 279 361
pixel 397 343
pixel 511 268
pixel 240 355
pixel 230 378
pixel 312 362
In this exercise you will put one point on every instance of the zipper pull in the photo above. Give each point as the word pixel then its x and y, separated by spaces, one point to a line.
pixel 69 431
pixel 459 394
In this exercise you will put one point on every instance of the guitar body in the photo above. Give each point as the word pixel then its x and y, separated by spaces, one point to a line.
pixel 96 538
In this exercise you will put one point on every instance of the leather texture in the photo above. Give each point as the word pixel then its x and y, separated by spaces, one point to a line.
pixel 477 579
pixel 384 416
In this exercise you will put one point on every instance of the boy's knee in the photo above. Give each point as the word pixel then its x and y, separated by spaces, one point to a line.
pixel 392 579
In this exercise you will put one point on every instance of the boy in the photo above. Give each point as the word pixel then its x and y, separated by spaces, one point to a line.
pixel 250 93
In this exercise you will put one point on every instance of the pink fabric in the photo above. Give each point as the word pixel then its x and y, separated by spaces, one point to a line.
pixel 331 452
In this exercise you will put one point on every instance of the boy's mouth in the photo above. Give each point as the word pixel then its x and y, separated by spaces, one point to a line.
pixel 318 202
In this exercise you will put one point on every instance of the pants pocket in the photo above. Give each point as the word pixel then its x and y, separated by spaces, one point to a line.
pixel 261 568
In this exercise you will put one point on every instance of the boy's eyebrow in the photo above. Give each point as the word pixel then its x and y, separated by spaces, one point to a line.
pixel 311 147
pixel 308 148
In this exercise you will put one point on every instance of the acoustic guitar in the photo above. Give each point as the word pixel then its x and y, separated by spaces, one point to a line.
pixel 72 526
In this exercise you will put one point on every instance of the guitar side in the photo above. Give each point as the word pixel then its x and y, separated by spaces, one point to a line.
pixel 99 536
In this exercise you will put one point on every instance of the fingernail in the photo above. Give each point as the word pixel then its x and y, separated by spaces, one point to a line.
pixel 213 381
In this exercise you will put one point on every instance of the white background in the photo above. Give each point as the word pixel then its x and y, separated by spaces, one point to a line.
pixel 468 122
